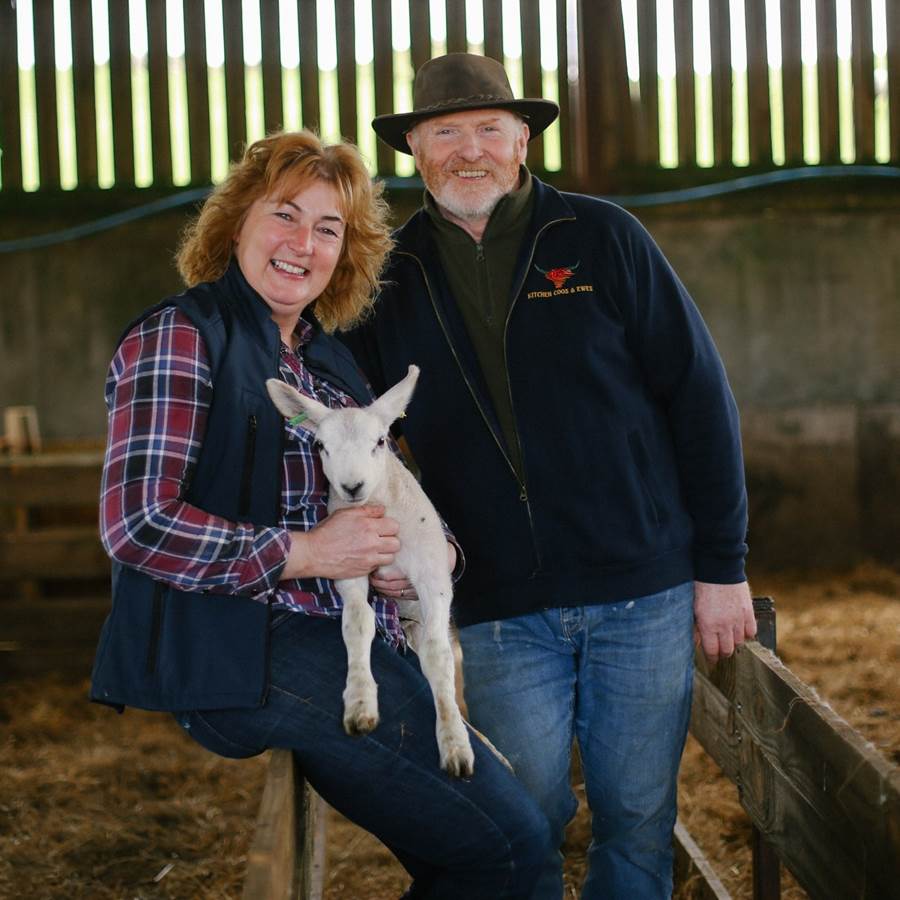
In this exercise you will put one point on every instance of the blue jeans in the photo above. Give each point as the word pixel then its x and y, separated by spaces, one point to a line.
pixel 479 838
pixel 617 677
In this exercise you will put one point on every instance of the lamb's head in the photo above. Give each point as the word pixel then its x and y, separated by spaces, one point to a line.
pixel 352 443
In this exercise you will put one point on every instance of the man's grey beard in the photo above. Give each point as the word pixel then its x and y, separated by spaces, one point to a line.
pixel 468 212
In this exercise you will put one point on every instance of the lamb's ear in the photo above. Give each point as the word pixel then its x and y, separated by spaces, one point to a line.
pixel 391 404
pixel 291 403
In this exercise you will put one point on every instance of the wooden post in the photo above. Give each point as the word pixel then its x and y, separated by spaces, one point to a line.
pixel 309 63
pixel 10 132
pixel 684 84
pixel 826 66
pixel 648 117
pixel 792 82
pixel 270 34
pixel 566 138
pixel 530 28
pixel 286 858
pixel 892 14
pixel 235 74
pixel 419 34
pixel 759 113
pixel 766 864
pixel 723 119
pixel 344 19
pixel 864 81
pixel 158 72
pixel 197 72
pixel 383 71
pixel 45 93
pixel 457 40
pixel 492 12
pixel 120 80
pixel 604 119
pixel 83 83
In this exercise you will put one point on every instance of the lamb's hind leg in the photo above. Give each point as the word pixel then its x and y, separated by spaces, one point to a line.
pixel 436 655
pixel 358 628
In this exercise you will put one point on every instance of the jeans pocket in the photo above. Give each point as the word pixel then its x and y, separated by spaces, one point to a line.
pixel 206 735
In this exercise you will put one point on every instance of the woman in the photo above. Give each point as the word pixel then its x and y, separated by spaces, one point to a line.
pixel 213 510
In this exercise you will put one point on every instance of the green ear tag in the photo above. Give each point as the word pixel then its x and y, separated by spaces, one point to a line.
pixel 296 420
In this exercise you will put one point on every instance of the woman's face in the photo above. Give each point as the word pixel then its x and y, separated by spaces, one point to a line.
pixel 288 250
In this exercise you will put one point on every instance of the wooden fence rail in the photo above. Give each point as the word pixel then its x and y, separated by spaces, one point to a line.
pixel 608 127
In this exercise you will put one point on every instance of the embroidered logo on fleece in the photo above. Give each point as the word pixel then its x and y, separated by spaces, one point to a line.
pixel 558 276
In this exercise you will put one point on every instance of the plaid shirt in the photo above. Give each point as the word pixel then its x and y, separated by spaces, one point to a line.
pixel 158 393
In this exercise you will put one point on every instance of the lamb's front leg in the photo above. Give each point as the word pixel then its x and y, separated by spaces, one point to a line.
pixel 436 656
pixel 358 627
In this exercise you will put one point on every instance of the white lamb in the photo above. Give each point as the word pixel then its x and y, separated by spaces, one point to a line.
pixel 361 468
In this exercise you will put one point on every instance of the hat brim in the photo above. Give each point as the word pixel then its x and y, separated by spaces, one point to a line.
pixel 392 128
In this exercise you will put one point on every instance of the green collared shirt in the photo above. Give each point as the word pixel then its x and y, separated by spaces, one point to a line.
pixel 480 278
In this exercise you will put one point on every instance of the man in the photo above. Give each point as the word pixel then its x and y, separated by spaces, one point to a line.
pixel 574 425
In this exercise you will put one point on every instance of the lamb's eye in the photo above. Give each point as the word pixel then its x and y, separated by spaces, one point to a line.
pixel 381 441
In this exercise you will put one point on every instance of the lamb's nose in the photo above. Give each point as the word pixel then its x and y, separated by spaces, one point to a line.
pixel 352 489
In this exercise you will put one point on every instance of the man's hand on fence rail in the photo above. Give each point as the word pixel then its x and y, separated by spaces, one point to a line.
pixel 723 617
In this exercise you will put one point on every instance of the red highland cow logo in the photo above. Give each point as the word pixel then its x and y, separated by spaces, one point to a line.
pixel 560 275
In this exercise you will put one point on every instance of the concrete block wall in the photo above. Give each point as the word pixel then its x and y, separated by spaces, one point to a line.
pixel 803 299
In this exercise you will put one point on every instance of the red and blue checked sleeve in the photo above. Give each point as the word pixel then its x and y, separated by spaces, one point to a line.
pixel 158 393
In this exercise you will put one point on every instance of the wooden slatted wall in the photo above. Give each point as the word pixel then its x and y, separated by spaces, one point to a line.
pixel 606 125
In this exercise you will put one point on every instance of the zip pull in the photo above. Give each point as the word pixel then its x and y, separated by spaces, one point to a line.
pixel 523 496
pixel 479 252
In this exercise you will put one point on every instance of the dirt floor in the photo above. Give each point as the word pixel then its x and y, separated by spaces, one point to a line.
pixel 95 805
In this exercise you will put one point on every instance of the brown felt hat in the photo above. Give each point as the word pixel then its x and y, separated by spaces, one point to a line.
pixel 461 81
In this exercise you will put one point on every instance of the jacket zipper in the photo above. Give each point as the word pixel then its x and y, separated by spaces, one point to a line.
pixel 155 627
pixel 523 487
pixel 523 496
pixel 247 474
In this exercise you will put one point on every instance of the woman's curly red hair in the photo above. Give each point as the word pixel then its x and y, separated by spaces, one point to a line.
pixel 279 166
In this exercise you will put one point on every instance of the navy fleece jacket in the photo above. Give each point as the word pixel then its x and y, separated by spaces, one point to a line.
pixel 633 476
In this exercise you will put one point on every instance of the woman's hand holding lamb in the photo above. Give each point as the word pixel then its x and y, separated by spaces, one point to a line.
pixel 349 543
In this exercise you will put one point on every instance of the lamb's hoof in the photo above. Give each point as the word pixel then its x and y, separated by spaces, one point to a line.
pixel 360 722
pixel 458 760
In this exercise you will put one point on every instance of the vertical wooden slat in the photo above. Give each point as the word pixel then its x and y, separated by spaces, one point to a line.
pixel 382 44
pixel 10 126
pixel 792 82
pixel 758 106
pixel 530 25
pixel 766 864
pixel 235 96
pixel 45 93
pixel 158 70
pixel 83 86
pixel 346 66
pixel 892 11
pixel 309 63
pixel 492 12
pixel 197 75
pixel 829 127
pixel 457 42
pixel 648 120
pixel 684 82
pixel 863 81
pixel 120 80
pixel 566 138
pixel 270 33
pixel 419 33
pixel 606 130
pixel 723 121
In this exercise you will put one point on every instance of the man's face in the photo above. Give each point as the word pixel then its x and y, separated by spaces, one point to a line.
pixel 470 159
